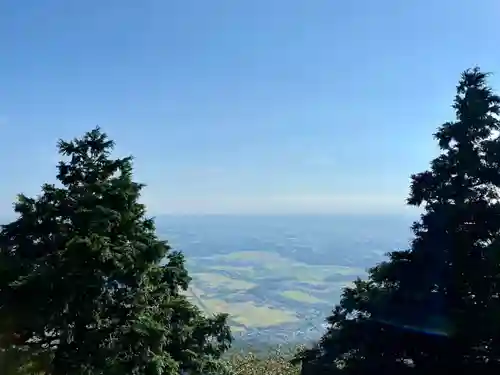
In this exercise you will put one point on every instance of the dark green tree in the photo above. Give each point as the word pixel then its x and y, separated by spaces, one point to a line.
pixel 435 305
pixel 85 280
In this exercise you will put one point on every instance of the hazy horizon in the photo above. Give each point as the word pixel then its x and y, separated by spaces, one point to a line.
pixel 267 106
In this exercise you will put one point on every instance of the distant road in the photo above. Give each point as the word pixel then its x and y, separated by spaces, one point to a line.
pixel 200 302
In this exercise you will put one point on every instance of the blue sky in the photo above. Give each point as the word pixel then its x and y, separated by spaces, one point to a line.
pixel 261 106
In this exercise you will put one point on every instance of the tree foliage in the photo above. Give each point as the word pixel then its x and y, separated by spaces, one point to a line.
pixel 435 305
pixel 85 280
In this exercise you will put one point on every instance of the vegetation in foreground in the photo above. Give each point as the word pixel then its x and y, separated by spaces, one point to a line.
pixel 86 284
pixel 435 305
pixel 275 363
pixel 83 288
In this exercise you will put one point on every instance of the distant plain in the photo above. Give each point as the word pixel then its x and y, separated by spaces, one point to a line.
pixel 278 277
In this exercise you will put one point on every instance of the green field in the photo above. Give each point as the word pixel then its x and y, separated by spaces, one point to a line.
pixel 215 280
pixel 250 315
pixel 299 296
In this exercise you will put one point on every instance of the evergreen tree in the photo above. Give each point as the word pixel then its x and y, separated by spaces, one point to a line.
pixel 85 281
pixel 435 305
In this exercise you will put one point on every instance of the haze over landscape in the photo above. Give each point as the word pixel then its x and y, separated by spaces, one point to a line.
pixel 276 139
pixel 277 275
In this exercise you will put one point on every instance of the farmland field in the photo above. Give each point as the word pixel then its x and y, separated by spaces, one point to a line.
pixel 277 278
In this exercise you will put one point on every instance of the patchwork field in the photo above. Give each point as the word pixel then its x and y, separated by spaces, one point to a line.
pixel 220 282
pixel 278 277
pixel 265 290
pixel 299 296
pixel 250 315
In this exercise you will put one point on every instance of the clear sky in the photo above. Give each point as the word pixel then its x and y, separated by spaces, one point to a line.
pixel 240 106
